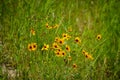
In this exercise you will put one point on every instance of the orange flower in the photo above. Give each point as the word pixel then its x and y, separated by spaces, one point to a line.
pixel 48 27
pixel 63 53
pixel 99 37
pixel 32 31
pixel 56 26
pixel 77 40
pixel 84 52
pixel 55 46
pixel 89 56
pixel 61 41
pixel 34 46
pixel 58 54
pixel 67 48
pixel 57 39
pixel 29 47
pixel 66 36
pixel 74 66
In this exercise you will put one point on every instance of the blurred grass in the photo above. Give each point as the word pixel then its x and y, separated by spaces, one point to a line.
pixel 87 19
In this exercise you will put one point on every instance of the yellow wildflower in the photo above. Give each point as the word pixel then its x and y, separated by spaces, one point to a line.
pixel 63 53
pixel 77 40
pixel 66 36
pixel 55 46
pixel 29 47
pixel 89 56
pixel 67 48
pixel 84 52
pixel 45 47
pixel 74 66
pixel 61 41
pixel 57 53
pixel 59 49
pixel 48 27
pixel 56 26
pixel 32 31
pixel 34 46
pixel 57 39
pixel 99 37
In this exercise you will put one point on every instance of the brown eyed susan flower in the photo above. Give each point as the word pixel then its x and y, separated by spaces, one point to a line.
pixel 56 26
pixel 55 46
pixel 66 36
pixel 45 47
pixel 84 52
pixel 67 48
pixel 63 53
pixel 57 39
pixel 48 27
pixel 99 37
pixel 74 66
pixel 29 47
pixel 59 49
pixel 58 54
pixel 61 41
pixel 89 56
pixel 34 46
pixel 77 40
pixel 32 31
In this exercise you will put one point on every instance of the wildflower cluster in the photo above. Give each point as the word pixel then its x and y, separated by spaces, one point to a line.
pixel 87 55
pixel 51 27
pixel 60 45
pixel 32 46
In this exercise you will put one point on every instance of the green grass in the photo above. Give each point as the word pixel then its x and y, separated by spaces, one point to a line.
pixel 86 18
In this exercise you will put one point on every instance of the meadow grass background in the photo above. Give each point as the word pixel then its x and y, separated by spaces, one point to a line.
pixel 87 18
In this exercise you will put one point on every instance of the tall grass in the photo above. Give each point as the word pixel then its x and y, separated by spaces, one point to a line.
pixel 86 18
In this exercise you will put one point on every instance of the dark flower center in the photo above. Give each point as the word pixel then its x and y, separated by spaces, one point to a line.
pixel 60 41
pixel 57 53
pixel 34 46
pixel 30 47
pixel 63 53
pixel 98 37
pixel 66 48
pixel 45 47
pixel 55 46
pixel 76 40
pixel 86 56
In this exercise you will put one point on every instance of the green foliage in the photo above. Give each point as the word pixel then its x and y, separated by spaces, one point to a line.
pixel 24 22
